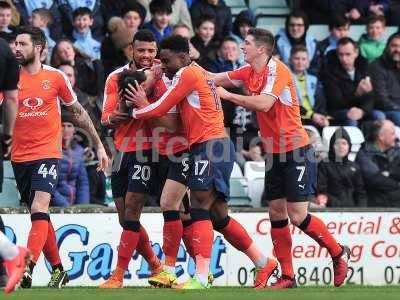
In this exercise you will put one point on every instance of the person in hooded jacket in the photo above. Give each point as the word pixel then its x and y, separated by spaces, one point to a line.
pixel 340 183
pixel 295 33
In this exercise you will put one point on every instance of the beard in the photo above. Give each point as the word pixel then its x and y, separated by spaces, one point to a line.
pixel 24 61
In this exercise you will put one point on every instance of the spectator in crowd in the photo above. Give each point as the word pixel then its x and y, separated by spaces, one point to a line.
pixel 227 57
pixel 183 30
pixel 385 77
pixel 67 7
pixel 82 22
pixel 217 9
pixel 180 13
pixel 25 9
pixel 116 47
pixel 15 16
pixel 244 20
pixel 371 43
pixel 204 40
pixel 309 89
pixel 42 18
pixel 161 11
pixel 379 160
pixel 347 87
pixel 9 38
pixel 340 182
pixel 73 183
pixel 339 27
pixel 90 75
pixel 295 33
pixel 5 17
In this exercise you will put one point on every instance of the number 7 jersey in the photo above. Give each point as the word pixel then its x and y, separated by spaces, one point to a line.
pixel 198 104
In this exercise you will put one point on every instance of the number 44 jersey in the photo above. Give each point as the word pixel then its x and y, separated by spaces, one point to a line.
pixel 199 106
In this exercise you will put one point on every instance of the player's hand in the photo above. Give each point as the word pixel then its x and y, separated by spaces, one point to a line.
pixel 117 117
pixel 223 93
pixel 103 159
pixel 7 139
pixel 137 95
pixel 157 71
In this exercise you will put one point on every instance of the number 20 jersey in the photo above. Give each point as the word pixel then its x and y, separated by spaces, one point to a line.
pixel 198 104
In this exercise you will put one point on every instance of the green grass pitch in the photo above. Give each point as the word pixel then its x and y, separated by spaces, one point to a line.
pixel 306 293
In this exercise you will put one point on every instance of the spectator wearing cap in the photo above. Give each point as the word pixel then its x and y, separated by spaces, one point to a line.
pixel 161 11
pixel 340 182
pixel 180 13
pixel 73 184
pixel 26 7
pixel 82 34
pixel 385 78
pixel 67 7
pixel 372 43
pixel 295 33
pixel 379 161
pixel 219 10
pixel 349 92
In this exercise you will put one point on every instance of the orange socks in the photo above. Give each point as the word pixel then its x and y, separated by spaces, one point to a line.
pixel 128 243
pixel 282 241
pixel 172 234
pixel 38 234
pixel 50 249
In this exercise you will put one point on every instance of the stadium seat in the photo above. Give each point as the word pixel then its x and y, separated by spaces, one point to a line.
pixel 237 10
pixel 313 129
pixel 356 136
pixel 389 30
pixel 253 4
pixel 238 195
pixel 254 169
pixel 235 3
pixel 356 31
pixel 274 28
pixel 266 21
pixel 256 189
pixel 319 32
pixel 271 11
pixel 8 170
pixel 10 195
pixel 236 171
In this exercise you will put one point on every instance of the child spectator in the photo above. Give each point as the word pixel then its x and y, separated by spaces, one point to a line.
pixel 73 183
pixel 295 33
pixel 5 17
pixel 67 7
pixel 42 18
pixel 204 40
pixel 372 44
pixel 161 11
pixel 82 21
pixel 340 182
pixel 183 30
pixel 309 89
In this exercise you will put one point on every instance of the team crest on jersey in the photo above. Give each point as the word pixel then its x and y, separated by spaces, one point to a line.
pixel 46 84
pixel 33 103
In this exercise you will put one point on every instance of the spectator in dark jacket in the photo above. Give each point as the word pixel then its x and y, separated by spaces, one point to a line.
pixel 227 58
pixel 340 182
pixel 295 33
pixel 243 22
pixel 217 9
pixel 309 89
pixel 379 160
pixel 73 184
pixel 347 87
pixel 25 9
pixel 385 77
pixel 67 7
pixel 90 73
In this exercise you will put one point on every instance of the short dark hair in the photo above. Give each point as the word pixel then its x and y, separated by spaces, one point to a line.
pixel 82 11
pixel 36 34
pixel 345 41
pixel 9 37
pixel 134 6
pixel 375 18
pixel 5 5
pixel 44 13
pixel 175 43
pixel 160 6
pixel 298 48
pixel 144 35
pixel 337 21
pixel 205 18
pixel 228 39
pixel 262 35
pixel 298 14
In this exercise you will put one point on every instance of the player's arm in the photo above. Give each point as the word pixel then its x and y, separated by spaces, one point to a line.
pixel 261 102
pixel 111 116
pixel 181 87
pixel 222 79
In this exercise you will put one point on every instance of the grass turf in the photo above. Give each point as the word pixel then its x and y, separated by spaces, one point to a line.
pixel 306 293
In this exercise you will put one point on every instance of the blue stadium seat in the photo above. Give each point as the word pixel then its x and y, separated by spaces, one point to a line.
pixel 238 194
pixel 319 32
pixel 265 21
pixel 10 195
pixel 271 11
pixel 253 4
pixel 235 3
pixel 274 28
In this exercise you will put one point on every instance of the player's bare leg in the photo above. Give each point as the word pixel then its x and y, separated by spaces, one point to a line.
pixel 316 229
pixel 239 238
pixel 170 202
pixel 134 203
